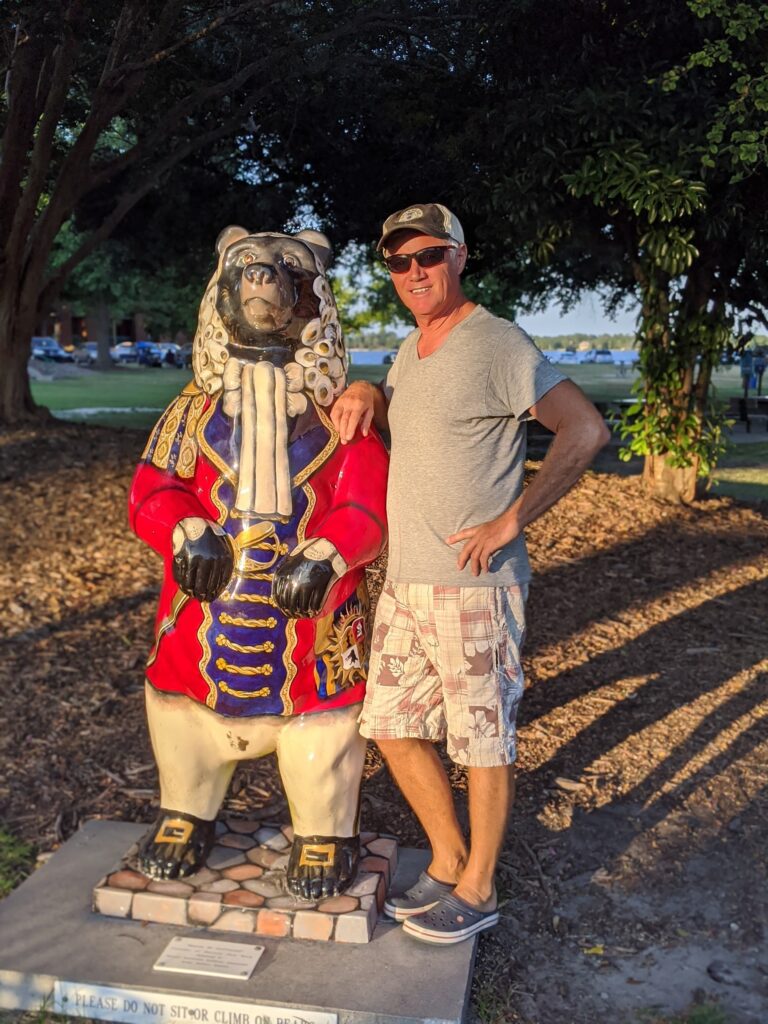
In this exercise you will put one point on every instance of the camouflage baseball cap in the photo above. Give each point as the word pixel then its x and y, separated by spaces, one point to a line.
pixel 429 218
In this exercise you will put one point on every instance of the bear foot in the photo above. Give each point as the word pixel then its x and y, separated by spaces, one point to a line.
pixel 322 865
pixel 176 845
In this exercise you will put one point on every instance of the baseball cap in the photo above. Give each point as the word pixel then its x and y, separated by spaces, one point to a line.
pixel 429 218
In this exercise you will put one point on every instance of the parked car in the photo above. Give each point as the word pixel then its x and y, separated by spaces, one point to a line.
pixel 569 358
pixel 603 355
pixel 124 352
pixel 169 350
pixel 87 353
pixel 184 356
pixel 49 348
pixel 149 353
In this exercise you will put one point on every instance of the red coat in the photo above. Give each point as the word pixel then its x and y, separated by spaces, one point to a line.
pixel 240 654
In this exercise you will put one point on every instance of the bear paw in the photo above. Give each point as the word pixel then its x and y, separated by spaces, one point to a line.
pixel 322 866
pixel 176 845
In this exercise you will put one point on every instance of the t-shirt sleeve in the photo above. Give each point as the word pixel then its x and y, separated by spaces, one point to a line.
pixel 520 375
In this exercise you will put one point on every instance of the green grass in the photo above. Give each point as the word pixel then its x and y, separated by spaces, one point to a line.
pixel 743 472
pixel 122 387
pixel 16 860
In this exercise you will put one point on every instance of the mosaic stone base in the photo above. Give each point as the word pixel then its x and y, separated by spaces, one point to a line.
pixel 242 888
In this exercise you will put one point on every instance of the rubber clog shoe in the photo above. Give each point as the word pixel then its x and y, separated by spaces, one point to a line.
pixel 422 895
pixel 449 920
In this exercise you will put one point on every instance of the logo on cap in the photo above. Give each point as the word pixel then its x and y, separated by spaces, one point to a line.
pixel 413 214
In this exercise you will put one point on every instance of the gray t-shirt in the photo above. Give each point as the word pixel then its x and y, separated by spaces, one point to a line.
pixel 458 447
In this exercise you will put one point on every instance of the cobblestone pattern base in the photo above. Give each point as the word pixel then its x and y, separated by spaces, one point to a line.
pixel 242 888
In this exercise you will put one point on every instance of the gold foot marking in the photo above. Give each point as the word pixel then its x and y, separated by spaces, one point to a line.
pixel 233 620
pixel 245 694
pixel 174 830
pixel 245 670
pixel 320 854
pixel 266 648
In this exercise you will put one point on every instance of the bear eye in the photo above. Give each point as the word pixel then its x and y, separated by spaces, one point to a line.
pixel 248 257
pixel 290 260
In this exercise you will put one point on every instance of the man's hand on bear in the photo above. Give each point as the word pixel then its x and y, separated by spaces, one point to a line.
pixel 303 579
pixel 202 558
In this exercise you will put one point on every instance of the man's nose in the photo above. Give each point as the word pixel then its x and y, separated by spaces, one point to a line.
pixel 415 272
pixel 260 273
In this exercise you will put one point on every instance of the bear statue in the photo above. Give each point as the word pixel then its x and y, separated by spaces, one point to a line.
pixel 265 522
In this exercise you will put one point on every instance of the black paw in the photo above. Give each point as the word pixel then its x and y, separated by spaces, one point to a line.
pixel 322 865
pixel 175 846
pixel 202 567
pixel 300 585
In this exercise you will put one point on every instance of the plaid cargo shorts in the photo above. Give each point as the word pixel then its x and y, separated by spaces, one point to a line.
pixel 445 664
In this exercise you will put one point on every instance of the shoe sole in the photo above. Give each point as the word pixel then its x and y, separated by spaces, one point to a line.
pixel 449 938
pixel 400 914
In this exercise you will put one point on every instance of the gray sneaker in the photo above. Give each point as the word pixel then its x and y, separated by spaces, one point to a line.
pixel 423 894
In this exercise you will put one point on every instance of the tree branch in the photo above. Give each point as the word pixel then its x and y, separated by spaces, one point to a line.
pixel 64 57
pixel 194 37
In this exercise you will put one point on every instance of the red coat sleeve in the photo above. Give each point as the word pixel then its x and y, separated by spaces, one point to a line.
pixel 158 500
pixel 355 485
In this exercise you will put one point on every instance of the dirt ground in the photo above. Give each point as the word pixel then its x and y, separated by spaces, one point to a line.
pixel 633 881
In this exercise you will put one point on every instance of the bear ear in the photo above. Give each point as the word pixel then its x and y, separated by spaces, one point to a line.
pixel 229 235
pixel 319 244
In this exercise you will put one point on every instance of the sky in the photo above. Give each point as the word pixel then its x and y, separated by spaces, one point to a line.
pixel 585 318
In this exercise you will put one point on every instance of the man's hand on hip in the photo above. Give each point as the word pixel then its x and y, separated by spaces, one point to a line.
pixel 483 541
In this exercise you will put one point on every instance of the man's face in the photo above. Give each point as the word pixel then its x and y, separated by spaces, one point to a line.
pixel 428 291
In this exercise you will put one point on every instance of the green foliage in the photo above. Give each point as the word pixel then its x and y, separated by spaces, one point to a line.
pixel 736 46
pixel 16 859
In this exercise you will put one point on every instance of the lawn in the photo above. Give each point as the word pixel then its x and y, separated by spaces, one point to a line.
pixel 134 396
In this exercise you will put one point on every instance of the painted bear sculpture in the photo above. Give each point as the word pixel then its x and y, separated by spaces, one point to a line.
pixel 265 522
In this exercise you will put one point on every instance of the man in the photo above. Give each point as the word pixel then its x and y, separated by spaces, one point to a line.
pixel 445 661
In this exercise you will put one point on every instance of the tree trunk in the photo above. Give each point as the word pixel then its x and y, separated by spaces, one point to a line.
pixel 17 325
pixel 16 403
pixel 670 483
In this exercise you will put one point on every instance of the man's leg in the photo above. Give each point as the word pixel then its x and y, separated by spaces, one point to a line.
pixel 491 793
pixel 419 773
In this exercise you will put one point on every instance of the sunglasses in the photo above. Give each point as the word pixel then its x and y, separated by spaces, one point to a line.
pixel 430 257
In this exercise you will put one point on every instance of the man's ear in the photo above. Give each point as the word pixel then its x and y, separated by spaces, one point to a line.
pixel 229 235
pixel 462 258
pixel 319 244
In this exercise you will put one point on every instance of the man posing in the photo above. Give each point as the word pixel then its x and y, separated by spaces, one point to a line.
pixel 445 660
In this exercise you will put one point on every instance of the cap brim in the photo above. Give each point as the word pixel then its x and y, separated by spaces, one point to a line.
pixel 418 229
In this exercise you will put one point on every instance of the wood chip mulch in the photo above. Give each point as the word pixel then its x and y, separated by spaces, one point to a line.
pixel 645 661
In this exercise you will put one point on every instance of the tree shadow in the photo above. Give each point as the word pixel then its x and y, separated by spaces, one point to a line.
pixel 565 599
pixel 675 682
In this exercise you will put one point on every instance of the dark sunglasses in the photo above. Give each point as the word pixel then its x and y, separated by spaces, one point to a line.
pixel 429 257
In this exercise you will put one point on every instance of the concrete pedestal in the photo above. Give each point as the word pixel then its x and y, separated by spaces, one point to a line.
pixel 55 950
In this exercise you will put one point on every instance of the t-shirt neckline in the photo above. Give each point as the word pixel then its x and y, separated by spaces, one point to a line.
pixel 448 337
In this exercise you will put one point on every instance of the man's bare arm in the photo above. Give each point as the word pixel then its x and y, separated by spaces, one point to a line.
pixel 580 433
pixel 360 405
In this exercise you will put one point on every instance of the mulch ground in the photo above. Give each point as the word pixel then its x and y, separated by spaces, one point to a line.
pixel 640 824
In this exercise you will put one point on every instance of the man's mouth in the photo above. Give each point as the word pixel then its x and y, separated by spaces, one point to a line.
pixel 420 291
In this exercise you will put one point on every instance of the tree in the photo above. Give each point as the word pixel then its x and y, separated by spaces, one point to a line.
pixel 103 102
pixel 643 170
pixel 605 145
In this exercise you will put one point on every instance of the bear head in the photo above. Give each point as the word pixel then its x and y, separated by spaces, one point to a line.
pixel 269 299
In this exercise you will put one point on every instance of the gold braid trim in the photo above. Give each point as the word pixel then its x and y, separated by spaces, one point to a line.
pixel 232 620
pixel 252 598
pixel 266 648
pixel 246 670
pixel 185 465
pixel 244 694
